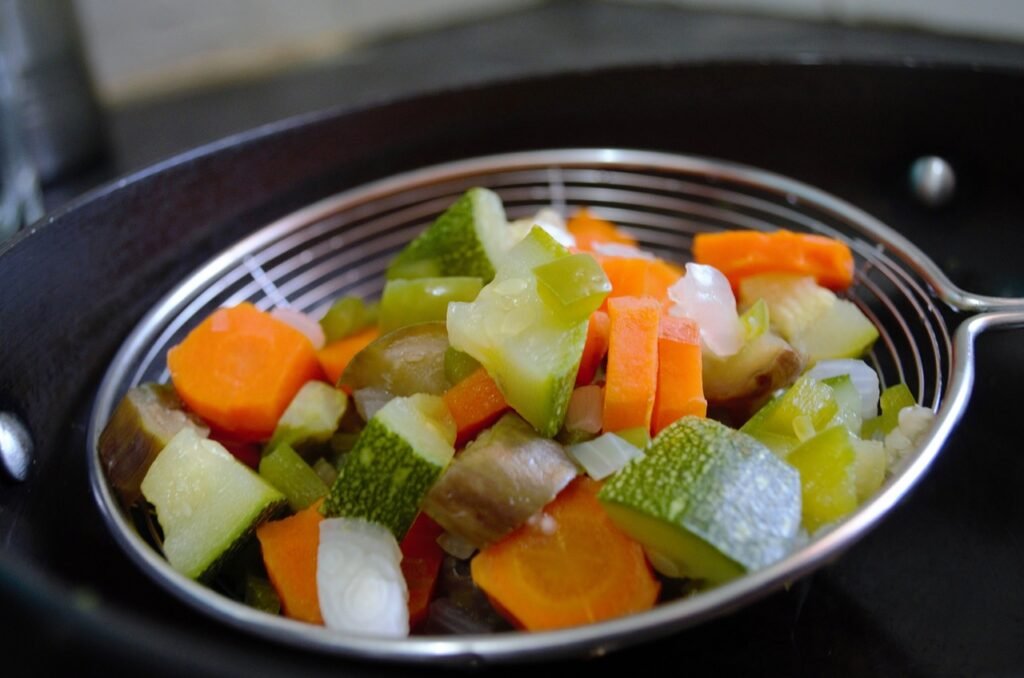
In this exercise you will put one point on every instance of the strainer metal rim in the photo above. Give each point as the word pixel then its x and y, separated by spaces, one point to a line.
pixel 595 639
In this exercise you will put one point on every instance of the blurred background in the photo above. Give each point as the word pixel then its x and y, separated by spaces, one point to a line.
pixel 97 88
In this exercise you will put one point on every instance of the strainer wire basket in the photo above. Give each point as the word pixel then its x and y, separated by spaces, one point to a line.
pixel 342 245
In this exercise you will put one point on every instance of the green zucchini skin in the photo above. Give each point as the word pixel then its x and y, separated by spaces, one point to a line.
pixel 712 501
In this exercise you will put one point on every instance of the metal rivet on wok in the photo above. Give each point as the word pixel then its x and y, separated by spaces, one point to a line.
pixel 932 180
pixel 15 447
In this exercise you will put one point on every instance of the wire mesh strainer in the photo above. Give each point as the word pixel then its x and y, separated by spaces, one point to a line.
pixel 343 244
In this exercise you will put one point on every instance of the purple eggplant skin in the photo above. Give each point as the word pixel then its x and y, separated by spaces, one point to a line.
pixel 143 422
pixel 506 475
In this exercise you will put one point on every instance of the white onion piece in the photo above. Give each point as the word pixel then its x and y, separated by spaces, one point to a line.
pixel 585 412
pixel 618 249
pixel 913 423
pixel 705 296
pixel 604 455
pixel 455 546
pixel 303 323
pixel 864 379
pixel 359 579
pixel 547 219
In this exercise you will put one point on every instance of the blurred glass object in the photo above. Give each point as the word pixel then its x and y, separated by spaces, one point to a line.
pixel 50 123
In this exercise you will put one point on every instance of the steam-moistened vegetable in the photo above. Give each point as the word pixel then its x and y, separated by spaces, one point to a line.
pixel 240 368
pixel 739 254
pixel 570 566
pixel 359 579
pixel 507 359
pixel 680 389
pixel 469 239
pixel 502 478
pixel 632 372
pixel 289 548
pixel 407 302
pixel 142 424
pixel 335 356
pixel 527 347
pixel 816 322
pixel 398 456
pixel 474 403
pixel 310 419
pixel 206 501
pixel 407 361
pixel 706 501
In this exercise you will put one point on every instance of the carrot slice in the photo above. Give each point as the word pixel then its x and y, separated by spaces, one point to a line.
pixel 421 563
pixel 680 382
pixel 289 549
pixel 240 368
pixel 634 277
pixel 595 348
pixel 739 254
pixel 632 372
pixel 571 567
pixel 335 356
pixel 587 229
pixel 475 403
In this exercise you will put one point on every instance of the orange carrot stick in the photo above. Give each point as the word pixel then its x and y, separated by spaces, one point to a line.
pixel 475 403
pixel 632 372
pixel 335 356
pixel 739 254
pixel 680 383
pixel 634 277
pixel 587 229
pixel 289 549
pixel 421 563
pixel 571 567
pixel 240 368
pixel 595 348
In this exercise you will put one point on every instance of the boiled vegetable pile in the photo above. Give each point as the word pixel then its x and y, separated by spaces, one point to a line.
pixel 517 434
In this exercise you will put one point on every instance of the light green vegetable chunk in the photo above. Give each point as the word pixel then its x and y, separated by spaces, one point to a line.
pixel 407 302
pixel 310 419
pixel 828 479
pixel 347 316
pixel 292 476
pixel 573 286
pixel 706 502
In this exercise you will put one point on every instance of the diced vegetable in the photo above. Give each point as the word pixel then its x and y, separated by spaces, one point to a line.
pixel 404 362
pixel 458 365
pixel 828 482
pixel 573 286
pixel 529 351
pixel 545 218
pixel 595 348
pixel 914 423
pixel 755 321
pixel 289 473
pixel 639 277
pixel 206 502
pixel 742 381
pixel 632 372
pixel 571 566
pixel 475 403
pixel 706 501
pixel 680 390
pixel 240 368
pixel 739 254
pixel 311 418
pixel 421 563
pixel 289 548
pixel 143 422
pixel 502 478
pixel 359 579
pixel 335 357
pixel 303 323
pixel 776 424
pixel 868 466
pixel 589 229
pixel 704 295
pixel 604 455
pixel 347 316
pixel 891 401
pixel 398 456
pixel 410 301
pixel 467 240
pixel 864 379
pixel 812 318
